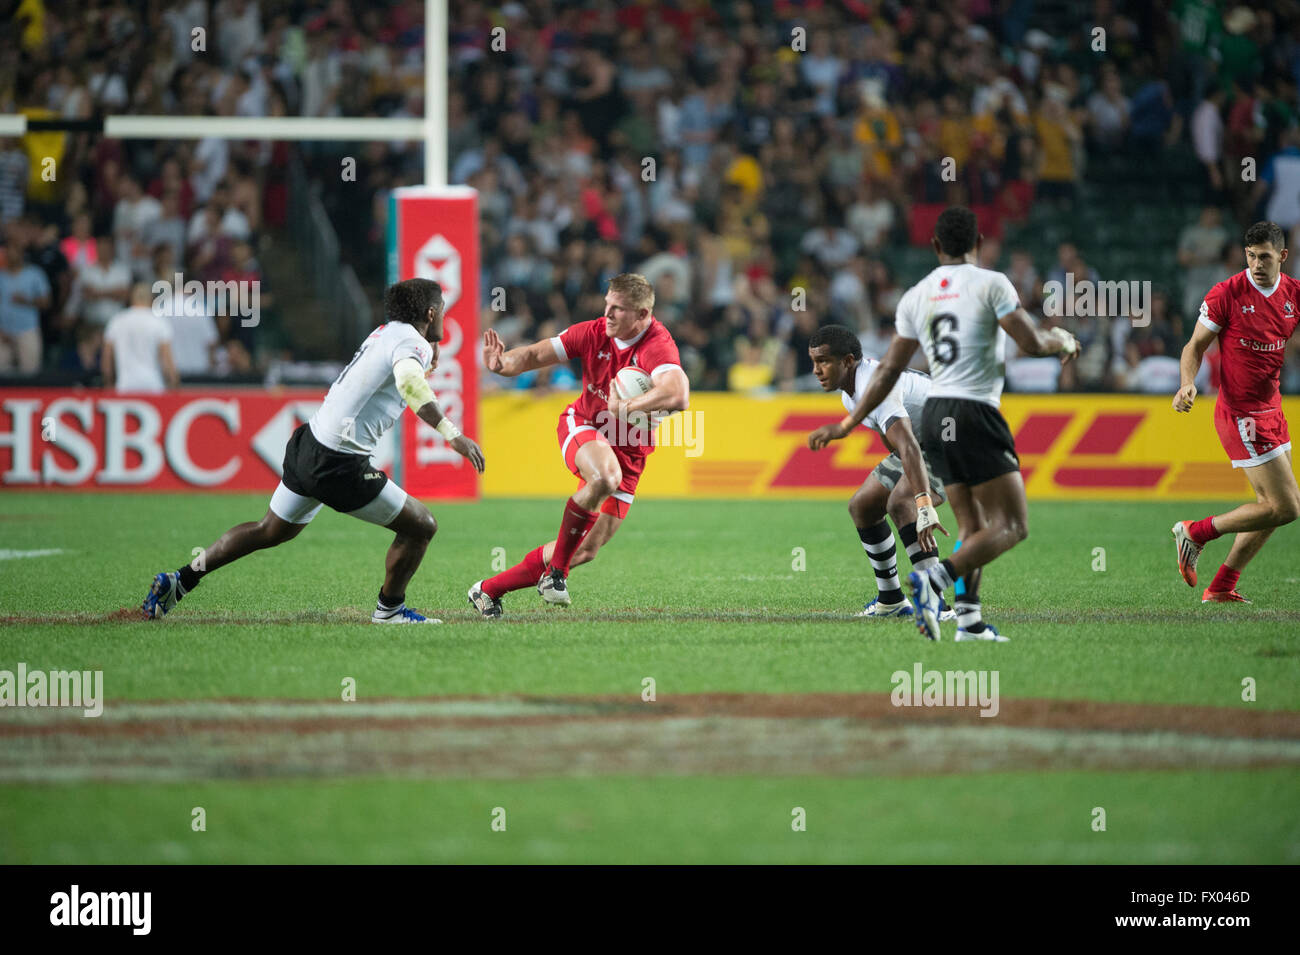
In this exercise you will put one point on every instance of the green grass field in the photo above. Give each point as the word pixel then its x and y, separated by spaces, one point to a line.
pixel 703 597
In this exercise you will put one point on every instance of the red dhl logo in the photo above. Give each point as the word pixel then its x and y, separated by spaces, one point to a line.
pixel 1080 465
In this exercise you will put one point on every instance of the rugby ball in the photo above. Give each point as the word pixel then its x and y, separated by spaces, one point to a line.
pixel 632 383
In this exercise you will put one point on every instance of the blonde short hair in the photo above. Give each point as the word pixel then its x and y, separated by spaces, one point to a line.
pixel 636 290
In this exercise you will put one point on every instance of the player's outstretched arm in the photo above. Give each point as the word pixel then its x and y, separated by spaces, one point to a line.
pixel 882 383
pixel 516 361
pixel 1035 342
pixel 900 437
pixel 1189 363
pixel 419 397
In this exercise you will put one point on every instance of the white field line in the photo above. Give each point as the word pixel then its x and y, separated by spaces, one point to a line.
pixel 289 710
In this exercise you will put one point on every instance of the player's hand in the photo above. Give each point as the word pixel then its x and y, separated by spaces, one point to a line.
pixel 927 519
pixel 1069 350
pixel 1184 398
pixel 467 449
pixel 494 350
pixel 825 435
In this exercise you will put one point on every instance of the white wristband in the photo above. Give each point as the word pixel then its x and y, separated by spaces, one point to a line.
pixel 447 428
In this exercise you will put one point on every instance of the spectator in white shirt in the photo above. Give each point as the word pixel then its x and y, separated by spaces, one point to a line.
pixel 169 230
pixel 217 218
pixel 239 30
pixel 830 245
pixel 102 286
pixel 870 217
pixel 137 354
pixel 208 167
pixel 1200 253
pixel 134 214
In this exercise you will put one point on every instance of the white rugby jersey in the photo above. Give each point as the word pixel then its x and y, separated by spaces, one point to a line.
pixel 905 400
pixel 953 312
pixel 364 401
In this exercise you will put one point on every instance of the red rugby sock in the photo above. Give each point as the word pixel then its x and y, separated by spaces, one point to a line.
pixel 577 522
pixel 1225 580
pixel 1202 531
pixel 526 573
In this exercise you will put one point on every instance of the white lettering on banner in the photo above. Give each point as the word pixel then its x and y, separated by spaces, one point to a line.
pixel 19 440
pixel 447 382
pixel 117 441
pixel 178 439
pixel 76 444
pixel 439 261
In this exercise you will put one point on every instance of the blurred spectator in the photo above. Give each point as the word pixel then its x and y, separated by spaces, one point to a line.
pixel 13 180
pixel 80 247
pixel 133 215
pixel 168 229
pixel 45 253
pixel 1153 124
pixel 1024 276
pixel 101 287
pixel 1280 182
pixel 1057 137
pixel 1200 253
pixel 1108 112
pixel 830 245
pixel 749 372
pixel 1207 139
pixel 871 218
pixel 24 291
pixel 137 355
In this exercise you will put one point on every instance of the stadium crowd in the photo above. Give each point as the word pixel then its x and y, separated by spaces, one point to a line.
pixel 770 165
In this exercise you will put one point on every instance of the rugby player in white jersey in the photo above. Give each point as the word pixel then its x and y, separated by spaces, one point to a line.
pixel 327 461
pixel 962 315
pixel 839 365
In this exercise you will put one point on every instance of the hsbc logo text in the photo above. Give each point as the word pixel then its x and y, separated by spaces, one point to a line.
pixel 133 446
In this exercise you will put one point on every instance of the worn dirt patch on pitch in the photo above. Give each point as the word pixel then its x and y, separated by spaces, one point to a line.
pixel 511 737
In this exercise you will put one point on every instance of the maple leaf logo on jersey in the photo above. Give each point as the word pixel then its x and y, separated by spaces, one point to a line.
pixel 943 284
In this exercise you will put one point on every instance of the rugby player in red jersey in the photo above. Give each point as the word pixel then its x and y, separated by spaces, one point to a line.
pixel 596 441
pixel 1252 314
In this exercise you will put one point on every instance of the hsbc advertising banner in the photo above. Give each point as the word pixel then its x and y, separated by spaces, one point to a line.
pixel 433 234
pixel 228 439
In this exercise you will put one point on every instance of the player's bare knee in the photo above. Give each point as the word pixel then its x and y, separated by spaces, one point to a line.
pixel 861 511
pixel 901 513
pixel 428 526
pixel 1286 510
pixel 607 482
pixel 273 532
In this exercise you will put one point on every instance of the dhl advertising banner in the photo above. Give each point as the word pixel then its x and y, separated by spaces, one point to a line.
pixel 433 234
pixel 1071 446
